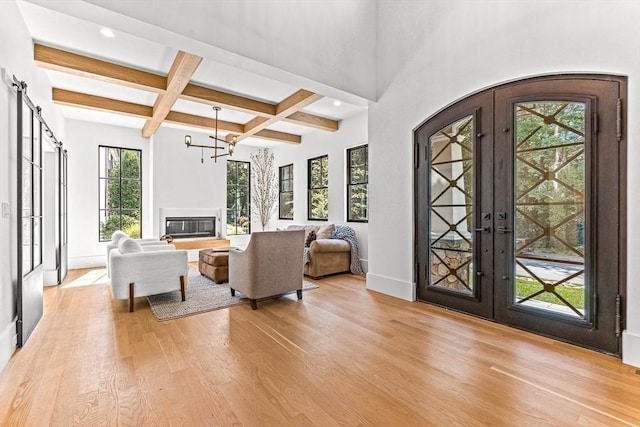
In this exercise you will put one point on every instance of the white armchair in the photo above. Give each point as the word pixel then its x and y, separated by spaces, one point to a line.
pixel 271 265
pixel 137 273
pixel 147 244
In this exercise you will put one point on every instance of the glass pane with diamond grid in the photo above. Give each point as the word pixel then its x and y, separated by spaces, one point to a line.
pixel 550 207
pixel 451 204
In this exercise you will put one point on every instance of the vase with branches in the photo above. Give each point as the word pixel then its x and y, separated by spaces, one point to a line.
pixel 265 185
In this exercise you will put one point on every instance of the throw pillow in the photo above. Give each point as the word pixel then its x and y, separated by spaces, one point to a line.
pixel 326 231
pixel 129 246
pixel 310 238
pixel 117 236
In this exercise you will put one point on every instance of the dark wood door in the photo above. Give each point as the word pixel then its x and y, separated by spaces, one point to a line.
pixel 520 196
pixel 454 244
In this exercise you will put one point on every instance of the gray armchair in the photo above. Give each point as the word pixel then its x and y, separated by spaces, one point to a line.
pixel 270 265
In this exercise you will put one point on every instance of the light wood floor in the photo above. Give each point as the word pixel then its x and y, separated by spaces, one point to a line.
pixel 341 356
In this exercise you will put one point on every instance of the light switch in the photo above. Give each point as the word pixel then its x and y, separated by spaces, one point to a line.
pixel 5 210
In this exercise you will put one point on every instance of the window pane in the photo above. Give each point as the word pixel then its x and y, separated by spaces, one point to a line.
pixel 286 205
pixel 130 164
pixel 238 198
pixel 130 194
pixel 36 191
pixel 26 188
pixel 26 245
pixel 27 119
pixel 109 222
pixel 319 202
pixel 37 247
pixel 358 202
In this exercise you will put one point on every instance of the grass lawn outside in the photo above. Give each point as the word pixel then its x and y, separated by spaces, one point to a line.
pixel 573 294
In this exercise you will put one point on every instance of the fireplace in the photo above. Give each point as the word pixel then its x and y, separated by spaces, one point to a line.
pixel 180 227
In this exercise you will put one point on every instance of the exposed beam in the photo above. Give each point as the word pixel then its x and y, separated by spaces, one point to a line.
pixel 210 96
pixel 300 117
pixel 288 106
pixel 275 135
pixel 60 60
pixel 207 123
pixel 76 99
pixel 183 67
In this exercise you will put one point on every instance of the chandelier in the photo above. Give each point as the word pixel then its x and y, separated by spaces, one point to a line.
pixel 229 145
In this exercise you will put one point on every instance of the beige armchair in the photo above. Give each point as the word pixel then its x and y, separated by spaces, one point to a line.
pixel 271 265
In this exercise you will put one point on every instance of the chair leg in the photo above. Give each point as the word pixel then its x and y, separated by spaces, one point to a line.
pixel 131 289
pixel 183 290
pixel 233 292
pixel 254 304
pixel 299 292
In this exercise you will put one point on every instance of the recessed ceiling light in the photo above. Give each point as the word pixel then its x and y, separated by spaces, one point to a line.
pixel 337 103
pixel 107 32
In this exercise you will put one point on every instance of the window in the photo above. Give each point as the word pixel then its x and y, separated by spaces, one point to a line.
pixel 286 192
pixel 120 191
pixel 318 184
pixel 357 183
pixel 238 197
pixel 30 195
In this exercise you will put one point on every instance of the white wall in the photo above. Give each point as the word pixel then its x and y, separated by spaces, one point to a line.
pixel 432 53
pixel 332 42
pixel 181 181
pixel 83 139
pixel 352 132
pixel 16 57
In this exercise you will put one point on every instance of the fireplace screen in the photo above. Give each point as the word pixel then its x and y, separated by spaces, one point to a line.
pixel 193 226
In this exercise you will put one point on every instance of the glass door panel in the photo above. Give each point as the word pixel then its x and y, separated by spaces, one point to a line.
pixel 452 201
pixel 550 184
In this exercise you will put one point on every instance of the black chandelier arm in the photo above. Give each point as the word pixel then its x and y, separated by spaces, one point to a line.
pixel 205 146
pixel 215 156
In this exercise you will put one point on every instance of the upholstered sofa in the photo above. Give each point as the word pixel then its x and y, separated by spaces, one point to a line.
pixel 326 254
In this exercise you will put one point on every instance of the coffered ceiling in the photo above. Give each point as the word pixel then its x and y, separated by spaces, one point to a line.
pixel 131 81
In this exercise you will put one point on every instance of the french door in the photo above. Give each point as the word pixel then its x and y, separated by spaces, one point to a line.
pixel 520 207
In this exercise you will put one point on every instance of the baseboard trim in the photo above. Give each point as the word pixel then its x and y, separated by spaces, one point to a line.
pixel 631 348
pixel 8 343
pixel 87 261
pixel 393 287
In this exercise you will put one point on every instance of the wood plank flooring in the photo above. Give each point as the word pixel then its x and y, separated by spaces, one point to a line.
pixel 341 356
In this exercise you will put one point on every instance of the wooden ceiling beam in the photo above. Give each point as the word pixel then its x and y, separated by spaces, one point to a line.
pixel 274 135
pixel 207 123
pixel 182 69
pixel 311 120
pixel 76 99
pixel 288 106
pixel 205 95
pixel 79 65
pixel 82 100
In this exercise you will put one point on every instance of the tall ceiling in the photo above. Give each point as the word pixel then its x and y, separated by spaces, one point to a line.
pixel 136 81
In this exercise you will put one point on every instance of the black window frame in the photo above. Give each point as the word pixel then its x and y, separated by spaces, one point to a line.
pixel 311 188
pixel 121 179
pixel 238 210
pixel 281 191
pixel 350 184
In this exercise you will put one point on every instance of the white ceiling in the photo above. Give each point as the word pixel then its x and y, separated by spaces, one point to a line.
pixel 53 28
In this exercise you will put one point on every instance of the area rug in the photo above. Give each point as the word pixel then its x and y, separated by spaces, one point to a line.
pixel 202 295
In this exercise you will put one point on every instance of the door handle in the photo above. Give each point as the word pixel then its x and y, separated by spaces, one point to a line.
pixel 483 229
pixel 502 229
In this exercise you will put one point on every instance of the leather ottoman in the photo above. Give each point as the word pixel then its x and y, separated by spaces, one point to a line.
pixel 214 264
